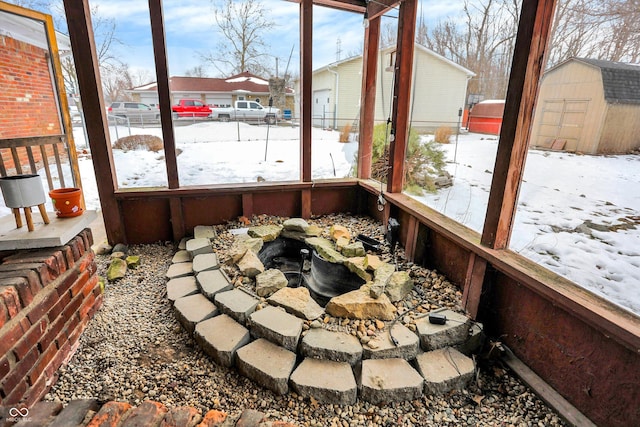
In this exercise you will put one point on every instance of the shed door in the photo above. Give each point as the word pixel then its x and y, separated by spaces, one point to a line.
pixel 562 119
pixel 322 116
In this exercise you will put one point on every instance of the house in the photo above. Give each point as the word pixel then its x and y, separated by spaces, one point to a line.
pixel 486 117
pixel 589 106
pixel 438 91
pixel 220 92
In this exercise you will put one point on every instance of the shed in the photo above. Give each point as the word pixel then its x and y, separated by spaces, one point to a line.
pixel 589 106
pixel 486 117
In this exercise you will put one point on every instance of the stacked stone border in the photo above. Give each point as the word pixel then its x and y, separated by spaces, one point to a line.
pixel 47 298
pixel 279 349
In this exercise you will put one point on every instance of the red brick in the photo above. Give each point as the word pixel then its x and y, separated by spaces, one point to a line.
pixel 79 284
pixel 67 254
pixel 10 336
pixel 87 262
pixel 91 285
pixel 30 340
pixel 52 257
pixel 96 306
pixel 67 280
pixel 41 305
pixel 87 235
pixel 10 301
pixel 43 361
pixel 62 355
pixel 77 247
pixel 45 275
pixel 59 306
pixel 51 333
pixel 181 416
pixel 149 413
pixel 213 418
pixel 5 366
pixel 19 372
pixel 26 282
pixel 71 310
pixel 86 306
pixel 75 329
pixel 15 395
pixel 109 415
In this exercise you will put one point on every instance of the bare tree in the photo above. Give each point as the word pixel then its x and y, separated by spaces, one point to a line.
pixel 197 71
pixel 242 48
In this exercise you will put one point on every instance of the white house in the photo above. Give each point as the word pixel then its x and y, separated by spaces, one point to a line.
pixel 439 90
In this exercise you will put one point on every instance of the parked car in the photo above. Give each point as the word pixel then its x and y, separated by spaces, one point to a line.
pixel 247 110
pixel 136 112
pixel 190 108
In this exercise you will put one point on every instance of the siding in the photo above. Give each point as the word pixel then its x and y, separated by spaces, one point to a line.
pixel 621 130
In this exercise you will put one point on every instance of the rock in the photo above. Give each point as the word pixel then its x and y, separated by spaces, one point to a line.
pixel 120 255
pixel 372 262
pixel 199 246
pixel 359 304
pixel 120 247
pixel 117 269
pixel 204 232
pixel 133 261
pixel 250 265
pixel 325 249
pixel 313 231
pixel 254 244
pixel 242 244
pixel 297 301
pixel 296 224
pixel 382 276
pixel 341 243
pixel 354 250
pixel 181 256
pixel 267 233
pixel 269 282
pixel 338 231
pixel 356 265
pixel 399 286
pixel 104 249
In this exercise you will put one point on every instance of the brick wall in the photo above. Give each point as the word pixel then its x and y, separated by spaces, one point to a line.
pixel 47 297
pixel 28 105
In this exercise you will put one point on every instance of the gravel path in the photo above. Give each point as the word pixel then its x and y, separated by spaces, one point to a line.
pixel 135 350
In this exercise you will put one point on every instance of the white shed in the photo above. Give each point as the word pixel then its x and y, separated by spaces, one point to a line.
pixel 439 90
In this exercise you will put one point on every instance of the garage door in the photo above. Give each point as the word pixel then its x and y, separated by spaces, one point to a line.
pixel 219 101
pixel 322 116
pixel 562 123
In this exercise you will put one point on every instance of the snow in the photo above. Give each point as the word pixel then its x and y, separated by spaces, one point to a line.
pixel 577 215
pixel 255 80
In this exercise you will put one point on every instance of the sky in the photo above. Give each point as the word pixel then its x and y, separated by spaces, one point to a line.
pixel 191 31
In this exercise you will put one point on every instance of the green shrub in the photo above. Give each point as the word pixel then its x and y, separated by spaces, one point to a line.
pixel 424 160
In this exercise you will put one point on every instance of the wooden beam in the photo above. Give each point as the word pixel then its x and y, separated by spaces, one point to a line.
pixel 402 94
pixel 32 141
pixel 177 219
pixel 412 238
pixel 368 97
pixel 164 92
pixel 78 13
pixel 306 79
pixel 247 204
pixel 534 32
pixel 305 196
pixel 473 282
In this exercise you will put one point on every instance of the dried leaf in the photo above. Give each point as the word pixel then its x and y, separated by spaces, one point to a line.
pixel 477 399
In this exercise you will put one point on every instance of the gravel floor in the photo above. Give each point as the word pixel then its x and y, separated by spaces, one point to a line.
pixel 135 350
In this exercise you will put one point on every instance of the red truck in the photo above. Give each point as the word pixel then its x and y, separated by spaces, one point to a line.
pixel 190 108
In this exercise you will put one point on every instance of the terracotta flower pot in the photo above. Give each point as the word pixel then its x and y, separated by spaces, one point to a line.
pixel 67 202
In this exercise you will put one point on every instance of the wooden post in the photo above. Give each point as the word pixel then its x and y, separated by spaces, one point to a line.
pixel 473 282
pixel 402 94
pixel 43 213
pixel 27 215
pixel 534 32
pixel 306 95
pixel 368 97
pixel 16 214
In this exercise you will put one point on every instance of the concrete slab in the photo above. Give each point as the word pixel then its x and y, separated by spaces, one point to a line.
pixel 220 337
pixel 57 233
pixel 277 326
pixel 181 269
pixel 199 246
pixel 204 232
pixel 389 380
pixel 211 282
pixel 444 370
pixel 326 381
pixel 455 331
pixel 330 345
pixel 204 262
pixel 183 243
pixel 193 309
pixel 181 287
pixel 181 256
pixel 382 347
pixel 237 304
pixel 267 364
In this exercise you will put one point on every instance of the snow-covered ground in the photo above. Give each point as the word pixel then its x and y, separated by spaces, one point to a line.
pixel 577 215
